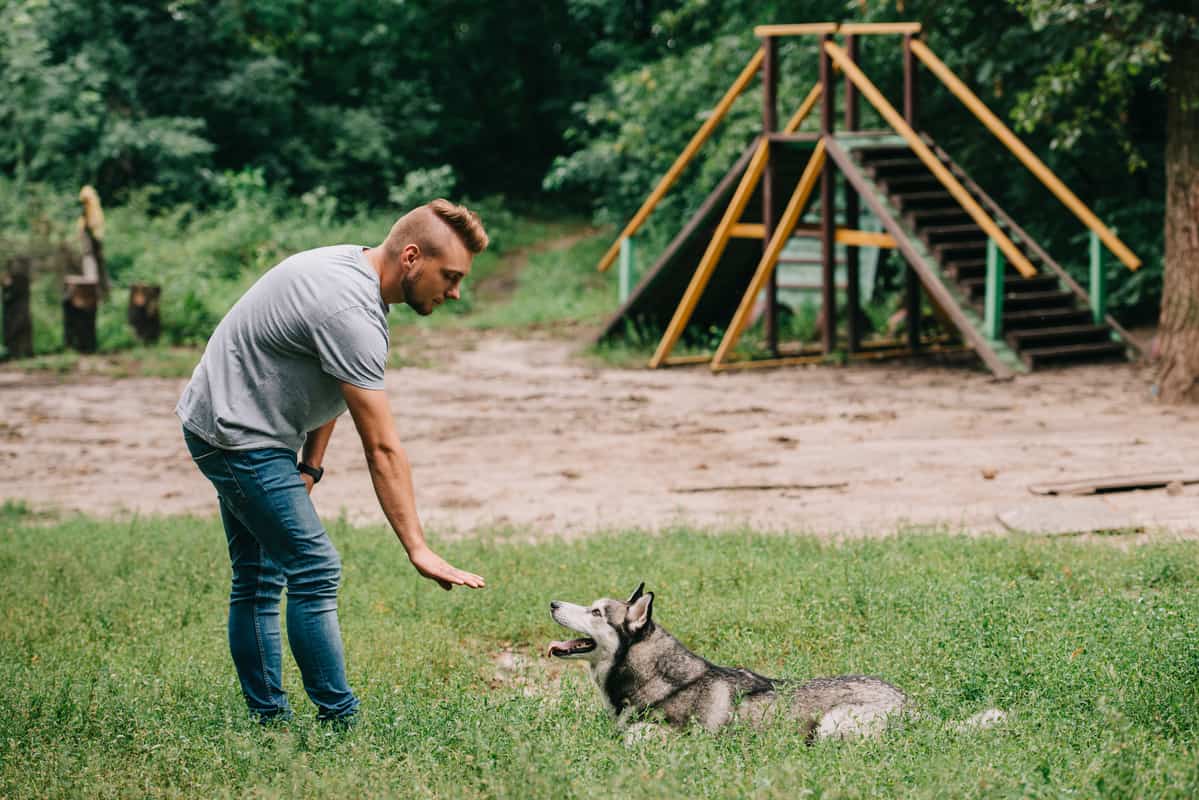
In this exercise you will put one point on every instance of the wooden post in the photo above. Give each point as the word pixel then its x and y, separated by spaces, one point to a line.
pixel 1098 282
pixel 18 321
pixel 828 221
pixel 626 268
pixel 993 301
pixel 910 87
pixel 769 124
pixel 143 312
pixel 80 298
pixel 851 91
pixel 912 299
pixel 853 292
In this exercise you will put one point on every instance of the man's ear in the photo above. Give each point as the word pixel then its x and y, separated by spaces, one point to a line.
pixel 636 593
pixel 640 613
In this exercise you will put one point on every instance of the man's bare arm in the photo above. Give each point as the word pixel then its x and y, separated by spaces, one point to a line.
pixel 391 475
pixel 314 448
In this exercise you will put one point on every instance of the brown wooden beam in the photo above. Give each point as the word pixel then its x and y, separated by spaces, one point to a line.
pixel 828 220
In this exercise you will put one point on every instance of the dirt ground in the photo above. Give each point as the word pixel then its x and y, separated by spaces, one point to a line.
pixel 526 435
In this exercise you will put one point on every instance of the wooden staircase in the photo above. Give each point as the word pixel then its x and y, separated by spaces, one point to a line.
pixel 1047 320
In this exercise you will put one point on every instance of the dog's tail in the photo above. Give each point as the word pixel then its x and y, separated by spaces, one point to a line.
pixel 981 721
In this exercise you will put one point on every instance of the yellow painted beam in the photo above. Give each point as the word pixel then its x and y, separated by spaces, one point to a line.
pixel 699 280
pixel 748 230
pixel 805 108
pixel 1026 156
pixel 869 28
pixel 789 361
pixel 682 361
pixel 959 193
pixel 770 257
pixel 877 354
pixel 676 169
pixel 807 29
pixel 856 238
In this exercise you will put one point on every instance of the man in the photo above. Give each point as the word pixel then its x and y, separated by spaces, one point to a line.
pixel 308 340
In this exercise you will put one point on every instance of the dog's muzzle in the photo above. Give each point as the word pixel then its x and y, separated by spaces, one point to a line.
pixel 567 649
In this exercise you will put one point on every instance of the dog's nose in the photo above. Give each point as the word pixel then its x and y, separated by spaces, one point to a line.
pixel 554 605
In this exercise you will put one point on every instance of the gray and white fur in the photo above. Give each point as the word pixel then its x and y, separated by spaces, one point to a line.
pixel 641 670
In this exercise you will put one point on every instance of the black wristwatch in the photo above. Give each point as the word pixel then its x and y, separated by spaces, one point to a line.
pixel 314 472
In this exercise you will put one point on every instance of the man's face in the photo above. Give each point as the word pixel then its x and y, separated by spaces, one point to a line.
pixel 431 280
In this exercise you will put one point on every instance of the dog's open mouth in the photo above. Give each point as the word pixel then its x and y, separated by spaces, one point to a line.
pixel 572 648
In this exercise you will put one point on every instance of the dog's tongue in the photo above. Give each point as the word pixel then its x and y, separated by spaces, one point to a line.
pixel 568 647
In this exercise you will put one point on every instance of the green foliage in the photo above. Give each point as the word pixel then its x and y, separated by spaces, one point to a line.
pixel 116 678
pixel 349 95
pixel 1081 118
pixel 206 259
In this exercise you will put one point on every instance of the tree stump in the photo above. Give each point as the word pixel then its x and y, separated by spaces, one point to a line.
pixel 143 312
pixel 18 322
pixel 79 302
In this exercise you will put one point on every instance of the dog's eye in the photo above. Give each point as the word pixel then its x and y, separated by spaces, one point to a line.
pixel 595 612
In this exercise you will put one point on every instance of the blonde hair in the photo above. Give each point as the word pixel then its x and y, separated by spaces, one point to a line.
pixel 418 226
pixel 93 214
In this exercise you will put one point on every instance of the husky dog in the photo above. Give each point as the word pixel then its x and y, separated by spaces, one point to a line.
pixel 640 668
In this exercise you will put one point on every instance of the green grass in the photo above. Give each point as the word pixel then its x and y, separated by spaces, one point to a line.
pixel 551 279
pixel 115 681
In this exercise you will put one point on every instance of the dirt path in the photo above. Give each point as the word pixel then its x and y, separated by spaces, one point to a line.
pixel 521 433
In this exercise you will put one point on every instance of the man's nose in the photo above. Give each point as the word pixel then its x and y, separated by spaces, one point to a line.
pixel 454 294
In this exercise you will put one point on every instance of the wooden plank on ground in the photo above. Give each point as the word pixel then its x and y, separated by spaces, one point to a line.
pixel 760 487
pixel 1115 483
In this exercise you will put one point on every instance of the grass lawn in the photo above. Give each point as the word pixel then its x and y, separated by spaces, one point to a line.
pixel 115 680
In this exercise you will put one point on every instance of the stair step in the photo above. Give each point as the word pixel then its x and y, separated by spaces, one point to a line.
pixel 914 200
pixel 893 166
pixel 936 234
pixel 972 249
pixel 869 155
pixel 964 268
pixel 1033 338
pixel 1044 318
pixel 976 287
pixel 950 215
pixel 908 183
pixel 1063 354
pixel 1029 301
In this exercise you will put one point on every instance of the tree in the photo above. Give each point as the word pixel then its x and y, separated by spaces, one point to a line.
pixel 1122 40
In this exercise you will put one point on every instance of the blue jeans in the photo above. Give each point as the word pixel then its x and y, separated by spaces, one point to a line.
pixel 276 540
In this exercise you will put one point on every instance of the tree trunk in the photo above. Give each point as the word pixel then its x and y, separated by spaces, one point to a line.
pixel 143 311
pixel 1178 370
pixel 80 298
pixel 18 322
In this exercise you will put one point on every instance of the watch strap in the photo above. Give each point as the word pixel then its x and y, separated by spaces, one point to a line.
pixel 316 473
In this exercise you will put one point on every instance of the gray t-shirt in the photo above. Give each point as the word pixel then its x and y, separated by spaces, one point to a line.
pixel 273 368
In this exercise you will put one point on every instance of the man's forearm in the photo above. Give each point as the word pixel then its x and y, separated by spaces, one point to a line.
pixel 316 444
pixel 391 475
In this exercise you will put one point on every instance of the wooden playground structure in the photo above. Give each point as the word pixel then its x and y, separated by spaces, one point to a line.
pixel 1008 300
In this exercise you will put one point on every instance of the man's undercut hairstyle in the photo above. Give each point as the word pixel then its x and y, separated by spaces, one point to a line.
pixel 420 226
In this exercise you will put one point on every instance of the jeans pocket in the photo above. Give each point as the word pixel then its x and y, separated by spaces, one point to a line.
pixel 213 464
pixel 202 457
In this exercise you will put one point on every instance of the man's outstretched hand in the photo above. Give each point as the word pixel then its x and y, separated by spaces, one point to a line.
pixel 436 568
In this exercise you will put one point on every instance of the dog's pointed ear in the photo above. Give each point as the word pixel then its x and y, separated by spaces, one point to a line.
pixel 640 613
pixel 636 593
